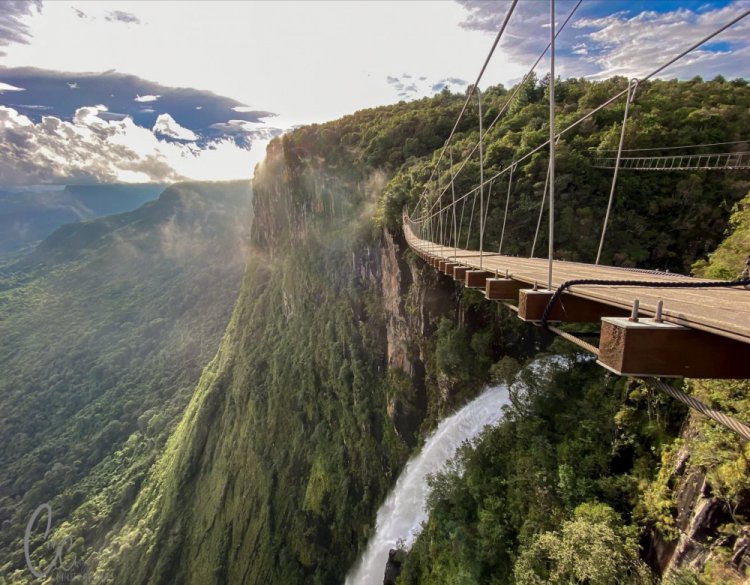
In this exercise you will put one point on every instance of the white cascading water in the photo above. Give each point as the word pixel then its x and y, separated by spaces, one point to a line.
pixel 401 515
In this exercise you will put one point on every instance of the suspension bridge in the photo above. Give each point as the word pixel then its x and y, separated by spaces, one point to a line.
pixel 724 161
pixel 652 324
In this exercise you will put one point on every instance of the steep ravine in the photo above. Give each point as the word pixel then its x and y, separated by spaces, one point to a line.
pixel 302 422
pixel 344 350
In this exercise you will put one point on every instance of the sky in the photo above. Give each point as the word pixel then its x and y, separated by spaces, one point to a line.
pixel 160 91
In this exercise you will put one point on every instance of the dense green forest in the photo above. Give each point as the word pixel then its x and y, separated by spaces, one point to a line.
pixel 661 220
pixel 585 477
pixel 344 350
pixel 105 327
pixel 585 480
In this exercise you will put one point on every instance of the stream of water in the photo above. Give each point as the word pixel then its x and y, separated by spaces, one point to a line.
pixel 400 517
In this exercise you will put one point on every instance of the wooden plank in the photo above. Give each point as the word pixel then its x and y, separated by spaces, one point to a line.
pixel 449 266
pixel 723 311
pixel 648 348
pixel 503 289
pixel 459 273
pixel 477 278
pixel 568 309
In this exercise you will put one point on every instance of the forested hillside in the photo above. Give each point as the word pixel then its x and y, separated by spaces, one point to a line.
pixel 344 349
pixel 105 327
pixel 31 214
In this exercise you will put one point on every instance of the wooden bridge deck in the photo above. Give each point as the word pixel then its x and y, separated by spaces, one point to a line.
pixel 720 311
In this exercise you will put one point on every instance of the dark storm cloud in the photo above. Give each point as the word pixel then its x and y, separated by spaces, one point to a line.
pixel 12 28
pixel 49 93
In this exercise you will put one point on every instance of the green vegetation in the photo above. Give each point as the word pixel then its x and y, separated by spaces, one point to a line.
pixel 105 329
pixel 579 479
pixel 549 494
pixel 728 260
pixel 344 350
pixel 27 216
pixel 659 220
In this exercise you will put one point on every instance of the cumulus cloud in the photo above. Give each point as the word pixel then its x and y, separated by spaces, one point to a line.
pixel 625 43
pixel 54 135
pixel 167 126
pixel 245 133
pixel 620 44
pixel 410 86
pixel 197 110
pixel 86 149
pixel 146 98
pixel 484 15
pixel 120 16
pixel 90 149
pixel 12 27
pixel 8 87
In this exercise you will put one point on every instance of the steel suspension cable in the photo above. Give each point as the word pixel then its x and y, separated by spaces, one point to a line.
pixel 461 224
pixel 487 207
pixel 471 219
pixel 518 87
pixel 481 182
pixel 469 95
pixel 505 217
pixel 723 419
pixel 612 100
pixel 632 87
pixel 541 213
pixel 551 243
pixel 453 197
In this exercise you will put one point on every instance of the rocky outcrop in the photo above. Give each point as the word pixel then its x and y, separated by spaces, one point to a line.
pixel 700 515
pixel 396 281
pixel 414 297
pixel 396 559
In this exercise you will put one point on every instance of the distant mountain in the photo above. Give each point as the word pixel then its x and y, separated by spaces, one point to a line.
pixel 28 215
pixel 105 329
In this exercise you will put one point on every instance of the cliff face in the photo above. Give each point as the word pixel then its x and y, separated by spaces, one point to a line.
pixel 343 349
pixel 301 423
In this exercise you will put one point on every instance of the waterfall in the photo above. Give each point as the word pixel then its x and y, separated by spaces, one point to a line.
pixel 400 517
